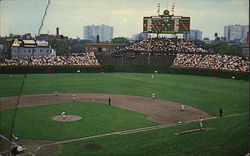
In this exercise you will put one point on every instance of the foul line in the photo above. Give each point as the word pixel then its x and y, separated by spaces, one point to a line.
pixel 119 133
pixel 7 139
pixel 134 130
pixel 122 132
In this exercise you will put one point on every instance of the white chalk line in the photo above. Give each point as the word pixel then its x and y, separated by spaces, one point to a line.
pixel 31 154
pixel 5 138
pixel 136 130
pixel 131 131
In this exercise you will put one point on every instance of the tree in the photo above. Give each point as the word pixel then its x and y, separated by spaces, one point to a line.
pixel 61 46
pixel 120 40
pixel 224 49
pixel 104 42
pixel 85 41
pixel 201 43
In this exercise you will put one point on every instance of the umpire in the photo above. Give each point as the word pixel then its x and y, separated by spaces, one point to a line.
pixel 109 101
pixel 220 112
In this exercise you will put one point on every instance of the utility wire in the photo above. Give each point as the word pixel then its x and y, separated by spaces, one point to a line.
pixel 44 15
pixel 25 77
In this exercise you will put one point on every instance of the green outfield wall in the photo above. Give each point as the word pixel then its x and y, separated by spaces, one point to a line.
pixel 123 68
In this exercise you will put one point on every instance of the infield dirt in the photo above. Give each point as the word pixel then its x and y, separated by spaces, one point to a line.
pixel 157 110
pixel 161 111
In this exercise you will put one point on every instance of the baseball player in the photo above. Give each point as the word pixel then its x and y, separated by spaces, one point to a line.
pixel 109 101
pixel 201 123
pixel 16 139
pixel 221 112
pixel 74 97
pixel 63 114
pixel 153 95
pixel 182 108
pixel 18 149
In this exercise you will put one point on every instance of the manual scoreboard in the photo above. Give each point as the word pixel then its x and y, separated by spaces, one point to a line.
pixel 167 24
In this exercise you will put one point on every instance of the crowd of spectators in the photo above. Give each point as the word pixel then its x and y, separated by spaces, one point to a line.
pixel 70 59
pixel 217 62
pixel 166 45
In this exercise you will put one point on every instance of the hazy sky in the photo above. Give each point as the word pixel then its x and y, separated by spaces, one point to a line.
pixel 126 16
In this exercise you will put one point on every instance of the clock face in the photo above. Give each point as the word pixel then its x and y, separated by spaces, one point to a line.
pixel 166 12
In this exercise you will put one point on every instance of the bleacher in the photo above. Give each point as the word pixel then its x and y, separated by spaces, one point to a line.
pixel 133 58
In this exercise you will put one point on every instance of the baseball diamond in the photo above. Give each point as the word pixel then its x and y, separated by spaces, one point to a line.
pixel 124 78
pixel 132 115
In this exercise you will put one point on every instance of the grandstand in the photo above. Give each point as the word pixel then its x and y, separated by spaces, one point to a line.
pixel 152 51
pixel 73 59
pixel 169 45
pixel 170 52
pixel 135 58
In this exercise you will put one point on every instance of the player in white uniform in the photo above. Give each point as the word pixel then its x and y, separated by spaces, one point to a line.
pixel 182 108
pixel 153 95
pixel 55 93
pixel 201 123
pixel 20 148
pixel 63 114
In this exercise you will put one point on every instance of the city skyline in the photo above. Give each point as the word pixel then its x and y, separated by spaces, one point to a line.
pixel 126 16
pixel 105 32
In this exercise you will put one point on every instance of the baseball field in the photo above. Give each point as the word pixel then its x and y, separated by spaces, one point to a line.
pixel 134 124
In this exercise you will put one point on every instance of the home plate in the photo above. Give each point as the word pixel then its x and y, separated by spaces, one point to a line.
pixel 192 131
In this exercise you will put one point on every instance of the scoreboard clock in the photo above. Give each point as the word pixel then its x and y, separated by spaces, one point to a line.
pixel 166 24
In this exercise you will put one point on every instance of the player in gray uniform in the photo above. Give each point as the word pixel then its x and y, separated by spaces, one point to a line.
pixel 74 97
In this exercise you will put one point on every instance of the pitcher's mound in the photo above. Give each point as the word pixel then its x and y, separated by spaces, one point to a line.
pixel 69 118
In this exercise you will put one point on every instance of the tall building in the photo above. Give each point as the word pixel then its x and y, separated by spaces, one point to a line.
pixel 236 32
pixel 105 32
pixel 193 35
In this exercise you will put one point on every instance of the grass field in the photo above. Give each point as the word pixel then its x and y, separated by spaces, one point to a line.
pixel 229 136
pixel 35 122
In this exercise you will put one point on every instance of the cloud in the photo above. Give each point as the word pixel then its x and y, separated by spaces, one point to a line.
pixel 124 15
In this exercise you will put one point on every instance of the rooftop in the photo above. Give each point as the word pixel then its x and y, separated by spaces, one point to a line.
pixel 29 42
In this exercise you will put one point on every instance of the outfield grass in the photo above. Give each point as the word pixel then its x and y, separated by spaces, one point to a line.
pixel 36 123
pixel 227 138
pixel 230 136
pixel 205 93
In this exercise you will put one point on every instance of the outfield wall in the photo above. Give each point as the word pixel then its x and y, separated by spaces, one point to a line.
pixel 170 70
pixel 122 68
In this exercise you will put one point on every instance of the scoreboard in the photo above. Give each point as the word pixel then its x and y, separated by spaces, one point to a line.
pixel 167 24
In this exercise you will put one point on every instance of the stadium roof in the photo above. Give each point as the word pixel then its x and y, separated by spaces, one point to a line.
pixel 29 42
pixel 16 43
pixel 42 43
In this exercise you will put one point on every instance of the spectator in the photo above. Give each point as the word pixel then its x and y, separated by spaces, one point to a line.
pixel 72 59
pixel 218 62
pixel 166 45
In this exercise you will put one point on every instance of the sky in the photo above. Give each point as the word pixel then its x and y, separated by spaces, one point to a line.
pixel 126 16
